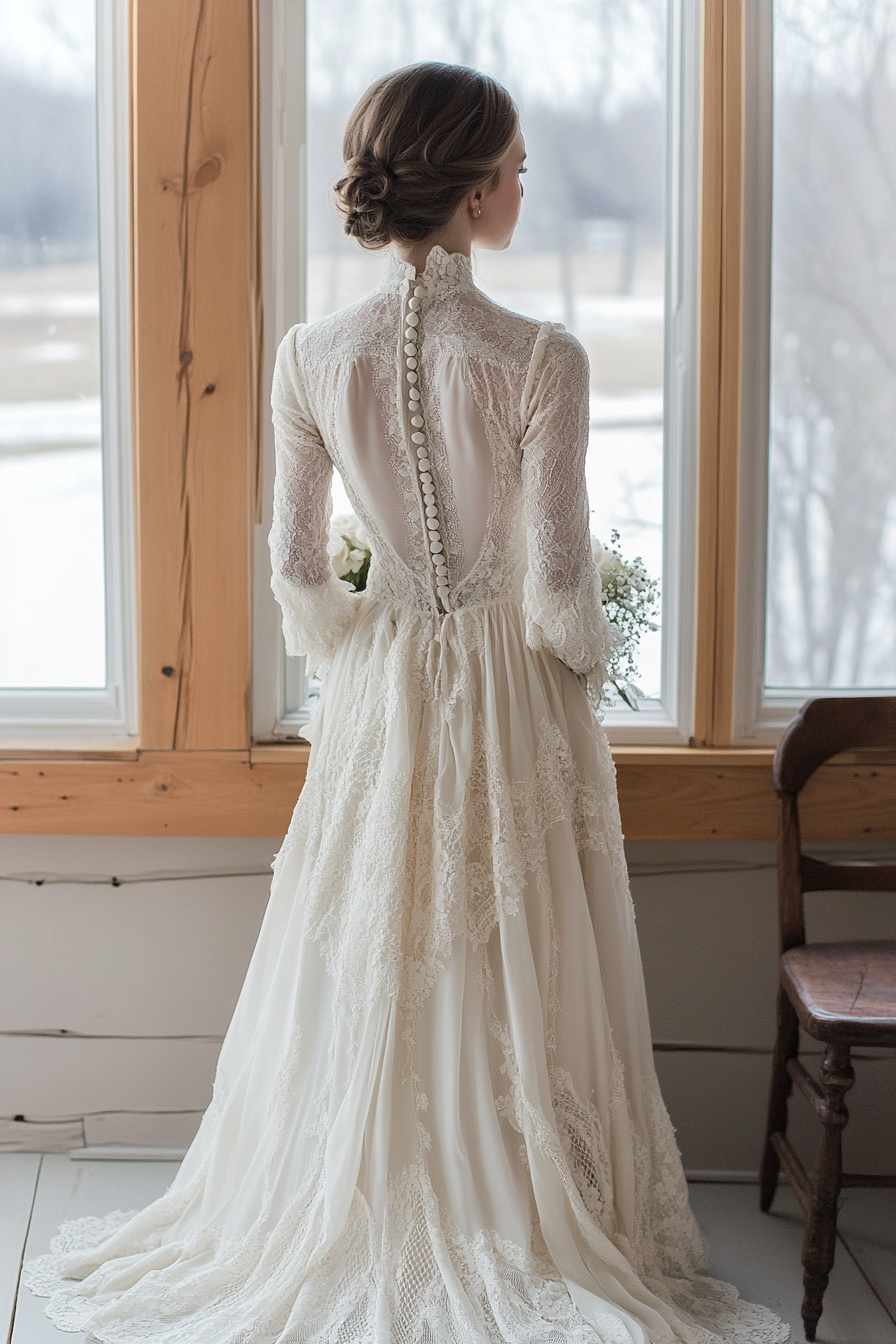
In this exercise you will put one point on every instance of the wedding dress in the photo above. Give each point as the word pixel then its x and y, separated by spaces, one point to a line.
pixel 435 1118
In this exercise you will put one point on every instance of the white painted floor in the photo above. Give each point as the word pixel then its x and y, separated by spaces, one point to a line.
pixel 760 1253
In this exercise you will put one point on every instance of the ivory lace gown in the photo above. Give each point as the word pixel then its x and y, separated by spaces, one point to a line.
pixel 436 1118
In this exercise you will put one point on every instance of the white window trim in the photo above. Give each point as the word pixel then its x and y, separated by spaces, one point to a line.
pixel 278 682
pixel 760 713
pixel 280 703
pixel 109 711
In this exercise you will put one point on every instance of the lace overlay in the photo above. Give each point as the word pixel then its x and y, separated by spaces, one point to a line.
pixel 435 1118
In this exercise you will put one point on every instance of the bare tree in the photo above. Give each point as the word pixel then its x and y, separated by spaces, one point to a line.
pixel 832 505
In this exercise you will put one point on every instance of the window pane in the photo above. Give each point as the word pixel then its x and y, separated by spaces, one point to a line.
pixel 52 590
pixel 832 469
pixel 589 251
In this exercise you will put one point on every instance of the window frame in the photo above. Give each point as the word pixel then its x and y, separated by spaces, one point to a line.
pixel 195 770
pixel 109 711
pixel 760 713
pixel 281 688
pixel 280 685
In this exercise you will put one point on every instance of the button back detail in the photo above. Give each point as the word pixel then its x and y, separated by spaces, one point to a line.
pixel 417 441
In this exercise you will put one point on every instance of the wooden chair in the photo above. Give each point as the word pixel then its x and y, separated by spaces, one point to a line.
pixel 842 994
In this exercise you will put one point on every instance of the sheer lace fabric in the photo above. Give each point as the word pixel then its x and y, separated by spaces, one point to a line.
pixel 435 1117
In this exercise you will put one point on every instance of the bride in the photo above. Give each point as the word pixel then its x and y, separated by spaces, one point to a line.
pixel 435 1118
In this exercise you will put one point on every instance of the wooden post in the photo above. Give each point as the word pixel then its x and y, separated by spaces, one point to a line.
pixel 721 268
pixel 194 366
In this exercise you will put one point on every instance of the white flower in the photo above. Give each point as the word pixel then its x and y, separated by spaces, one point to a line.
pixel 609 564
pixel 350 526
pixel 347 544
pixel 599 552
pixel 338 551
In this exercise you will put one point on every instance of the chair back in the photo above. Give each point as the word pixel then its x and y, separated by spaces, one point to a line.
pixel 824 727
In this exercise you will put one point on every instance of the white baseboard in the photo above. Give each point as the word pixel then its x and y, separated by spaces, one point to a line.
pixel 121 1152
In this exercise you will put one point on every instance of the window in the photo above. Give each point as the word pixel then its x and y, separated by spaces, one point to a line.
pixel 196 770
pixel 606 245
pixel 825 488
pixel 65 586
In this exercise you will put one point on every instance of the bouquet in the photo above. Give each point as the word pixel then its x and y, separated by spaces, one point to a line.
pixel 631 599
pixel 629 594
pixel 349 550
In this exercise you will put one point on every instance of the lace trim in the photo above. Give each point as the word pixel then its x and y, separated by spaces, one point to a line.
pixel 416 1279
pixel 538 353
pixel 444 273
pixel 462 866
pixel 315 619
pixel 571 625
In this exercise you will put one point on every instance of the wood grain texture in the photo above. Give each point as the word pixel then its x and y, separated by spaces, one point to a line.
pixel 844 991
pixel 673 794
pixel 194 372
pixel 721 269
pixel 162 793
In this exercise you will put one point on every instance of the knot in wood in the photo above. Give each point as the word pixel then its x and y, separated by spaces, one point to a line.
pixel 208 171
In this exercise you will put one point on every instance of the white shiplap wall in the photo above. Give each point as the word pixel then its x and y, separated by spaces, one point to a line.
pixel 142 977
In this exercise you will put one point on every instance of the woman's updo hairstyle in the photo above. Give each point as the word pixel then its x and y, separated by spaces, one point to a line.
pixel 419 140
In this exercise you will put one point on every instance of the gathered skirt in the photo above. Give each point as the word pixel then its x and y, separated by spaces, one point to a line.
pixel 435 1118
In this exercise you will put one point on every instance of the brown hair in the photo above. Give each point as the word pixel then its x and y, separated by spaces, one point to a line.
pixel 418 141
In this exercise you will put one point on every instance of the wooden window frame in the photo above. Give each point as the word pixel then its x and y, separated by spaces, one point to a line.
pixel 197 407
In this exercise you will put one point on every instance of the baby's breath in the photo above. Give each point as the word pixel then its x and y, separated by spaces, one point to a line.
pixel 630 596
pixel 631 600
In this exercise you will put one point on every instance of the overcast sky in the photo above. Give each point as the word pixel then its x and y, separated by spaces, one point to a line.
pixel 50 41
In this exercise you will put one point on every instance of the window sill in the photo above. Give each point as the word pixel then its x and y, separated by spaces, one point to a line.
pixel 665 793
pixel 68 749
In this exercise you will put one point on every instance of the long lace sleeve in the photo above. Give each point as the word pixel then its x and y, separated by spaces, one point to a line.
pixel 317 607
pixel 561 593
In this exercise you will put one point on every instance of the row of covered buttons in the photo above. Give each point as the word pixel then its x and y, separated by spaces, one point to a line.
pixel 418 439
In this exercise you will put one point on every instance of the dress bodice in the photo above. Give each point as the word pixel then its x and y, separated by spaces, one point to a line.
pixel 459 430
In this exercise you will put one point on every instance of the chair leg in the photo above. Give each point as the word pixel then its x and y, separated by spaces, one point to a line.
pixel 821 1229
pixel 786 1047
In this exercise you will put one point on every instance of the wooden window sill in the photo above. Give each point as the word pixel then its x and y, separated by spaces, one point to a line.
pixel 69 749
pixel 665 793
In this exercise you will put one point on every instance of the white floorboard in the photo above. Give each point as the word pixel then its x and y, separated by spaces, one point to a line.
pixel 74 1190
pixel 760 1253
pixel 867 1223
pixel 18 1182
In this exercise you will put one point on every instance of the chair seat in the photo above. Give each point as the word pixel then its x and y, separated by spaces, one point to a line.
pixel 844 992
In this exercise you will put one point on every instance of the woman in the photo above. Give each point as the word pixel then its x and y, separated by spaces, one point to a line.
pixel 436 1118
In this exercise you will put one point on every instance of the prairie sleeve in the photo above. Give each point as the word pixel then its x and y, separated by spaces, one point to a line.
pixel 561 592
pixel 317 606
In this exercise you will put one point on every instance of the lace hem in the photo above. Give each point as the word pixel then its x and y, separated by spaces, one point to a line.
pixel 418 1279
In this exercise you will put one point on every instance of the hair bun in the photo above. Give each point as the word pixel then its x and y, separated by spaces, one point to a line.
pixel 370 175
pixel 417 142
pixel 367 195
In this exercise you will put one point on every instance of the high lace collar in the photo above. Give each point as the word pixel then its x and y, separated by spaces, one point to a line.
pixel 443 273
